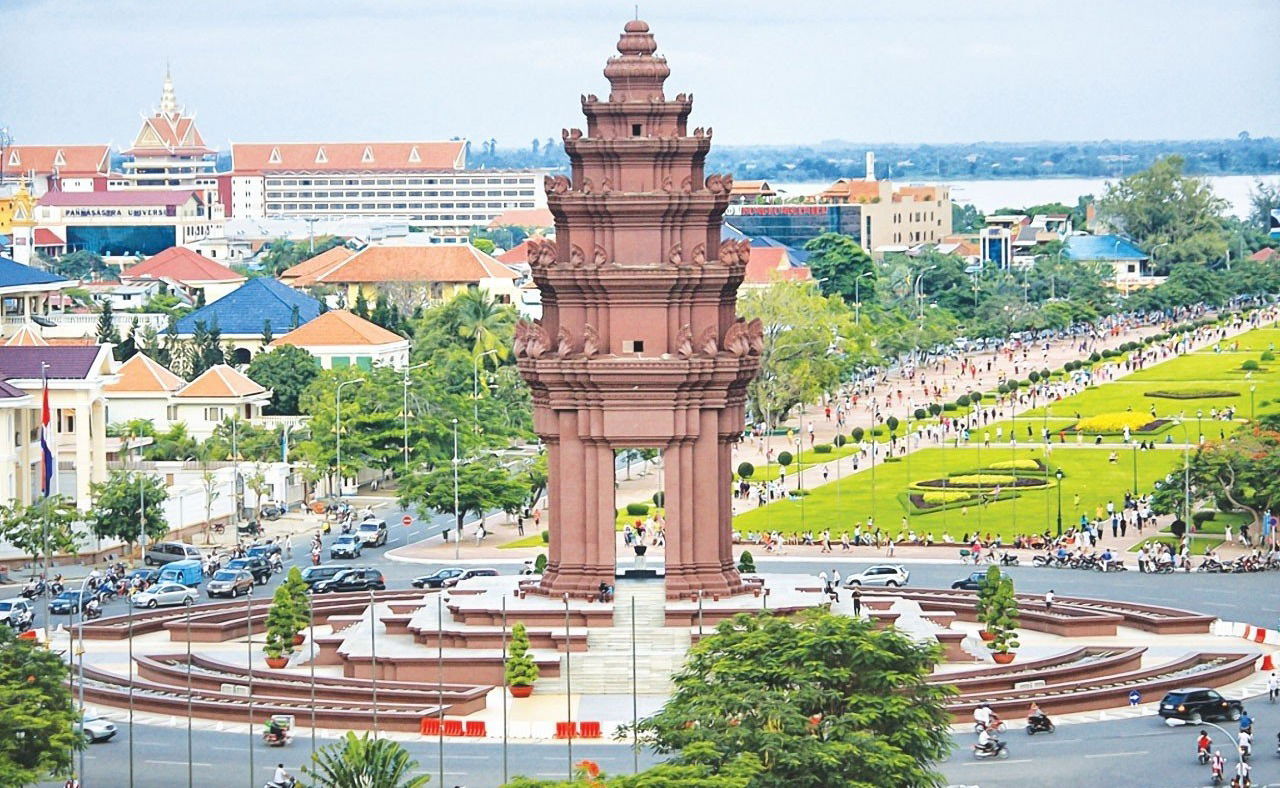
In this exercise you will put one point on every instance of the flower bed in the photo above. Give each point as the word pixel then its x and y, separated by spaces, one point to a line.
pixel 918 503
pixel 1095 425
pixel 981 482
pixel 1191 393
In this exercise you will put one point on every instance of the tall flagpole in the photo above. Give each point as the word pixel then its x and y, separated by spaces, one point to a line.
pixel 47 474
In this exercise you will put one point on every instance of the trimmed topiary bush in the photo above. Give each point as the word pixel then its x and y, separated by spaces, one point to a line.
pixel 935 408
pixel 892 423
pixel 546 537
pixel 1191 394
pixel 858 434
pixel 520 670
pixel 1267 355
pixel 920 413
pixel 746 563
pixel 1250 366
pixel 746 470
pixel 822 448
pixel 1095 357
pixel 540 563
pixel 839 440
pixel 1203 516
pixel 785 458
pixel 659 498
pixel 949 407
pixel 962 401
pixel 637 509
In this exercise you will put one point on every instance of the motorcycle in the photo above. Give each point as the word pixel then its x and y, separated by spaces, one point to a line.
pixel 34 590
pixel 288 783
pixel 251 528
pixel 995 726
pixel 92 612
pixel 997 749
pixel 1039 724
pixel 276 739
pixel 1202 755
pixel 1008 560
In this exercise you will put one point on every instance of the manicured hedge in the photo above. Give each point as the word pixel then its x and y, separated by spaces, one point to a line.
pixel 1190 393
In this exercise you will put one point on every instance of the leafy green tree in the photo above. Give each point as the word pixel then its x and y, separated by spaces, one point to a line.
pixel 282 254
pixel 46 524
pixel 282 623
pixel 118 501
pixel 81 265
pixel 287 371
pixel 174 443
pixel 249 441
pixel 1263 199
pixel 38 740
pixel 820 698
pixel 966 218
pixel 521 670
pixel 483 485
pixel 1161 205
pixel 363 762
pixel 483 244
pixel 841 266
pixel 486 323
pixel 361 307
pixel 299 593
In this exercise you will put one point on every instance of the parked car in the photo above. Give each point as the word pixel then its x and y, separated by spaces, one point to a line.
pixel 264 550
pixel 188 573
pixel 436 579
pixel 71 601
pixel 230 582
pixel 470 573
pixel 166 552
pixel 890 575
pixel 362 579
pixel 346 546
pixel 163 594
pixel 96 729
pixel 971 583
pixel 16 614
pixel 373 532
pixel 314 575
pixel 1196 704
pixel 258 567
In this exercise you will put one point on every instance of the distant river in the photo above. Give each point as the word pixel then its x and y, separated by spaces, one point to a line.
pixel 989 196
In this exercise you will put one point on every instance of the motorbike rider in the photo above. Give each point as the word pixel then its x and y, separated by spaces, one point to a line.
pixel 274 731
pixel 1273 685
pixel 1203 743
pixel 1242 775
pixel 1246 722
pixel 281 777
pixel 987 742
pixel 1217 764
pixel 92 609
pixel 1246 745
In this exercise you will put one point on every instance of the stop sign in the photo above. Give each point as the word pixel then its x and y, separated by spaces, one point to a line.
pixel 407 520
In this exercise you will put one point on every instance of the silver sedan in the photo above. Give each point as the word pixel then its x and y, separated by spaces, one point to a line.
pixel 165 594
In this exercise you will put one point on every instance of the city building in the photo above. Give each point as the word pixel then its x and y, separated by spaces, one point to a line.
pixel 199 279
pixel 1130 266
pixel 422 183
pixel 892 219
pixel 46 168
pixel 1273 228
pixel 750 191
pixel 304 274
pixel 1265 255
pixel 120 223
pixel 414 275
pixel 145 389
pixel 794 224
pixel 17 414
pixel 26 294
pixel 124 295
pixel 142 390
pixel 339 339
pixel 526 218
pixel 242 316
pixel 77 376
pixel 771 264
pixel 168 152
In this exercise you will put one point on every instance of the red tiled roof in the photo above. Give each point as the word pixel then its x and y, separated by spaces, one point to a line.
pixel 46 237
pixel 445 263
pixel 66 159
pixel 338 328
pixel 517 254
pixel 141 373
pixel 181 265
pixel 137 197
pixel 305 273
pixel 175 132
pixel 851 189
pixel 771 264
pixel 357 156
pixel 220 380
pixel 1265 255
pixel 524 217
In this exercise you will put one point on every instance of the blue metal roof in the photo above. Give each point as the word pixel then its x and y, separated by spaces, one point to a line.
pixel 1103 247
pixel 14 274
pixel 243 310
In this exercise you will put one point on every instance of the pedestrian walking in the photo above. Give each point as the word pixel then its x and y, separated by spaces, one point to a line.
pixel 857 602
pixel 1048 600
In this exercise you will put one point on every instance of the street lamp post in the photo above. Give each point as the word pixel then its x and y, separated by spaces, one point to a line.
pixel 857 300
pixel 405 411
pixel 1059 474
pixel 475 389
pixel 337 427
pixel 1199 428
pixel 457 520
pixel 1252 390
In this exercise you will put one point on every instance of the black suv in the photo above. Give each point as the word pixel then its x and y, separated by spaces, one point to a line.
pixel 1199 703
pixel 436 579
pixel 258 567
pixel 315 575
pixel 971 583
pixel 353 580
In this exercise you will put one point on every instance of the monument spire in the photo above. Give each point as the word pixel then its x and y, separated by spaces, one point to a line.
pixel 639 345
pixel 168 101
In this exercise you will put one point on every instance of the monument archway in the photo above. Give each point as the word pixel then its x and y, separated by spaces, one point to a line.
pixel 639 344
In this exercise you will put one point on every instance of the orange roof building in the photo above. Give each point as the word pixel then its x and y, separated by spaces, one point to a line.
pixel 770 264
pixel 304 274
pixel 66 167
pixel 168 151
pixel 192 272
pixel 438 271
pixel 525 217
pixel 146 389
pixel 142 374
pixel 339 339
pixel 750 191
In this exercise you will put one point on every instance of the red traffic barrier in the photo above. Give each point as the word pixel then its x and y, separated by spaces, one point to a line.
pixel 589 730
pixel 475 728
pixel 566 730
pixel 430 726
pixel 453 727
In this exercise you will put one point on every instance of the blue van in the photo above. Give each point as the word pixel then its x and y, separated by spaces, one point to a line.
pixel 189 573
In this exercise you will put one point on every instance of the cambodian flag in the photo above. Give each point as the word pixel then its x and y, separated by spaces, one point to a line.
pixel 46 455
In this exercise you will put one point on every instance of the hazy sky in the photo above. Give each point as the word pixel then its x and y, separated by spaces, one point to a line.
pixel 761 71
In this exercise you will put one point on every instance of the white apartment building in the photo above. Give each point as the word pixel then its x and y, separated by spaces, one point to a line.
pixel 422 183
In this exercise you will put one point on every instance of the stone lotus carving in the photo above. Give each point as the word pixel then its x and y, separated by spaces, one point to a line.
pixel 542 252
pixel 697 132
pixel 735 252
pixel 700 254
pixel 575 134
pixel 715 184
pixel 601 256
pixel 681 97
pixel 564 343
pixel 590 341
pixel 686 185
pixel 706 344
pixel 676 255
pixel 556 184
pixel 735 338
pixel 587 186
pixel 666 185
pixel 755 336
pixel 592 98
pixel 576 257
pixel 684 341
pixel 606 186
pixel 708 132
pixel 531 340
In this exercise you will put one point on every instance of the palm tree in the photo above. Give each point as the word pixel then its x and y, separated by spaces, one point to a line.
pixel 363 762
pixel 485 322
pixel 130 431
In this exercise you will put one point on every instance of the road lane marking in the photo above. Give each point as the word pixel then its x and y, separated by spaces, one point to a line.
pixel 179 763
pixel 989 761
pixel 1116 754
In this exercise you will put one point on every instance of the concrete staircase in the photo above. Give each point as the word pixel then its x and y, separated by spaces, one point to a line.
pixel 606 666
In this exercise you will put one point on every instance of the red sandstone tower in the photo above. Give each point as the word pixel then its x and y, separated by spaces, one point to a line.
pixel 639 344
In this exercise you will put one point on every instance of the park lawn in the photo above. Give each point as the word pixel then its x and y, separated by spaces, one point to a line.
pixel 808 458
pixel 1218 523
pixel 1209 367
pixel 840 506
pixel 533 540
pixel 1258 340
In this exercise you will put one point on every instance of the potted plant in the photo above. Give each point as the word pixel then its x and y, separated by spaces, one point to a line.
pixel 986 589
pixel 301 603
pixel 521 670
pixel 282 622
pixel 1002 621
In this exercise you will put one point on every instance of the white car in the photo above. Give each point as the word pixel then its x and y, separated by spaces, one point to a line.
pixel 96 729
pixel 165 594
pixel 890 575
